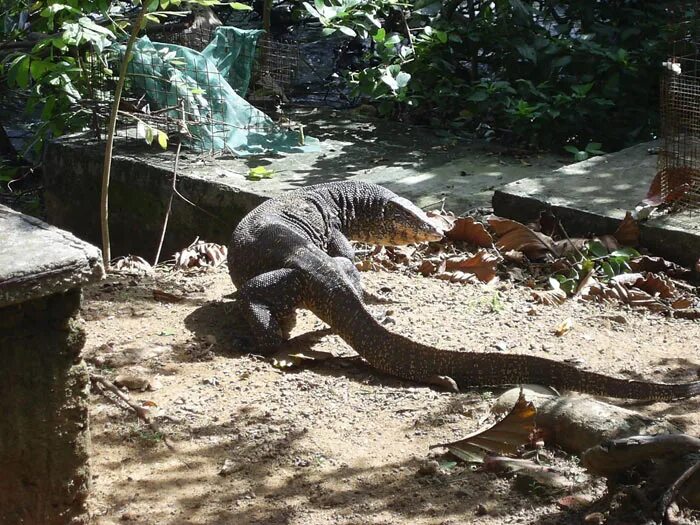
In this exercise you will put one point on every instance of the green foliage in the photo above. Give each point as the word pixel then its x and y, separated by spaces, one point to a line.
pixel 55 73
pixel 594 259
pixel 547 73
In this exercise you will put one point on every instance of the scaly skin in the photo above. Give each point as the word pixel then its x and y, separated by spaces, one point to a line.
pixel 293 252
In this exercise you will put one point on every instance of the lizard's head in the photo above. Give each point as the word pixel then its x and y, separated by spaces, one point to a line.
pixel 405 223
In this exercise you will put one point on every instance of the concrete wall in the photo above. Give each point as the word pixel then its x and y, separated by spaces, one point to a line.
pixel 44 434
pixel 140 188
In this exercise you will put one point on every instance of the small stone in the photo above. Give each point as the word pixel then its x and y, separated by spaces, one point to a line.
pixel 429 468
pixel 595 518
pixel 501 346
pixel 228 467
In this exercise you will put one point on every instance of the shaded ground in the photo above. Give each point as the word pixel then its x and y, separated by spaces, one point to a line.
pixel 336 442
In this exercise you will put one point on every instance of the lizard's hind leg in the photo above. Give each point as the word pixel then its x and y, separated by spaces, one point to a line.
pixel 268 302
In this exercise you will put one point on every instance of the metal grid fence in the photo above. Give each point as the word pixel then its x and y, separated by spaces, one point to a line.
pixel 274 68
pixel 679 155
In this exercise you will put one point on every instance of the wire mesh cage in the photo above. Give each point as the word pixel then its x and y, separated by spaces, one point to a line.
pixel 678 177
pixel 181 95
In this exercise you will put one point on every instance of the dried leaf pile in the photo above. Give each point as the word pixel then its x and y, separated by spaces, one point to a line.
pixel 541 255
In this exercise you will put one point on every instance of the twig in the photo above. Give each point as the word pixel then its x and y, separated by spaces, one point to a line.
pixel 670 495
pixel 170 205
pixel 140 412
pixel 561 227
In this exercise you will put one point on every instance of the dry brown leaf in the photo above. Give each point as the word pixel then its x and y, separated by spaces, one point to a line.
pixel 469 230
pixel 201 254
pixel 627 278
pixel 483 265
pixel 627 232
pixel 430 266
pixel 132 264
pixel 444 221
pixel 682 303
pixel 365 265
pixel 507 436
pixel 286 359
pixel 678 180
pixel 656 285
pixel 513 235
pixel 611 243
pixel 565 326
pixel 515 256
pixel 568 246
pixel 585 284
pixel 167 297
pixel 645 263
pixel 549 297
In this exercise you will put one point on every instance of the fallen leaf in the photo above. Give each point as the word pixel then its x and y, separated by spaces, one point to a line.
pixel 656 285
pixel 483 265
pixel 133 382
pixel 671 184
pixel 515 256
pixel 682 303
pixel 627 233
pixel 646 263
pixel 513 235
pixel 568 246
pixel 565 326
pixel 507 436
pixel 444 221
pixel 549 297
pixel 286 359
pixel 609 242
pixel 201 254
pixel 469 230
pixel 428 267
pixel 132 264
pixel 575 502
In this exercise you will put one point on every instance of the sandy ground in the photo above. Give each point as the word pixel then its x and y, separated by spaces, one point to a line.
pixel 335 442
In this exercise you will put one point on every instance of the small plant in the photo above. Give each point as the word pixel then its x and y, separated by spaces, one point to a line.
pixel 595 260
pixel 591 150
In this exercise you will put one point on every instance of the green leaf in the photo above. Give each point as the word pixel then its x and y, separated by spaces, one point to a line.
pixel 562 61
pixel 571 149
pixel 527 52
pixel 260 172
pixel 607 270
pixel 149 135
pixel 582 90
pixel 162 140
pixel 478 96
pixel 597 249
pixel 441 36
pixel 326 31
pixel 392 40
pixel 625 252
pixel 380 36
pixel 151 5
pixel 347 31
pixel 402 79
pixel 581 156
pixel 240 7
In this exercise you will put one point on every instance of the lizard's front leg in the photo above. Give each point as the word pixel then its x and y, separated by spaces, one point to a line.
pixel 268 303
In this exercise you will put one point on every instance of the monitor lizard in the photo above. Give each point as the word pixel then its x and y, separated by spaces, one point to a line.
pixel 293 252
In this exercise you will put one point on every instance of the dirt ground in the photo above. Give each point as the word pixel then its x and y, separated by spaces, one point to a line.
pixel 335 442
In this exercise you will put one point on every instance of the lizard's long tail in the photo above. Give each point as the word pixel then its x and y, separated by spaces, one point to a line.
pixel 338 304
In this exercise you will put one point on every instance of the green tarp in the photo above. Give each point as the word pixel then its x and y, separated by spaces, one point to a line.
pixel 209 86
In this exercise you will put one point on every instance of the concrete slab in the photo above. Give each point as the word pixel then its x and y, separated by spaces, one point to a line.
pixel 37 259
pixel 413 162
pixel 593 196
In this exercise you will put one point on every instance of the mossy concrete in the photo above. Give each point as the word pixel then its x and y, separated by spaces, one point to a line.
pixel 44 434
pixel 413 162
